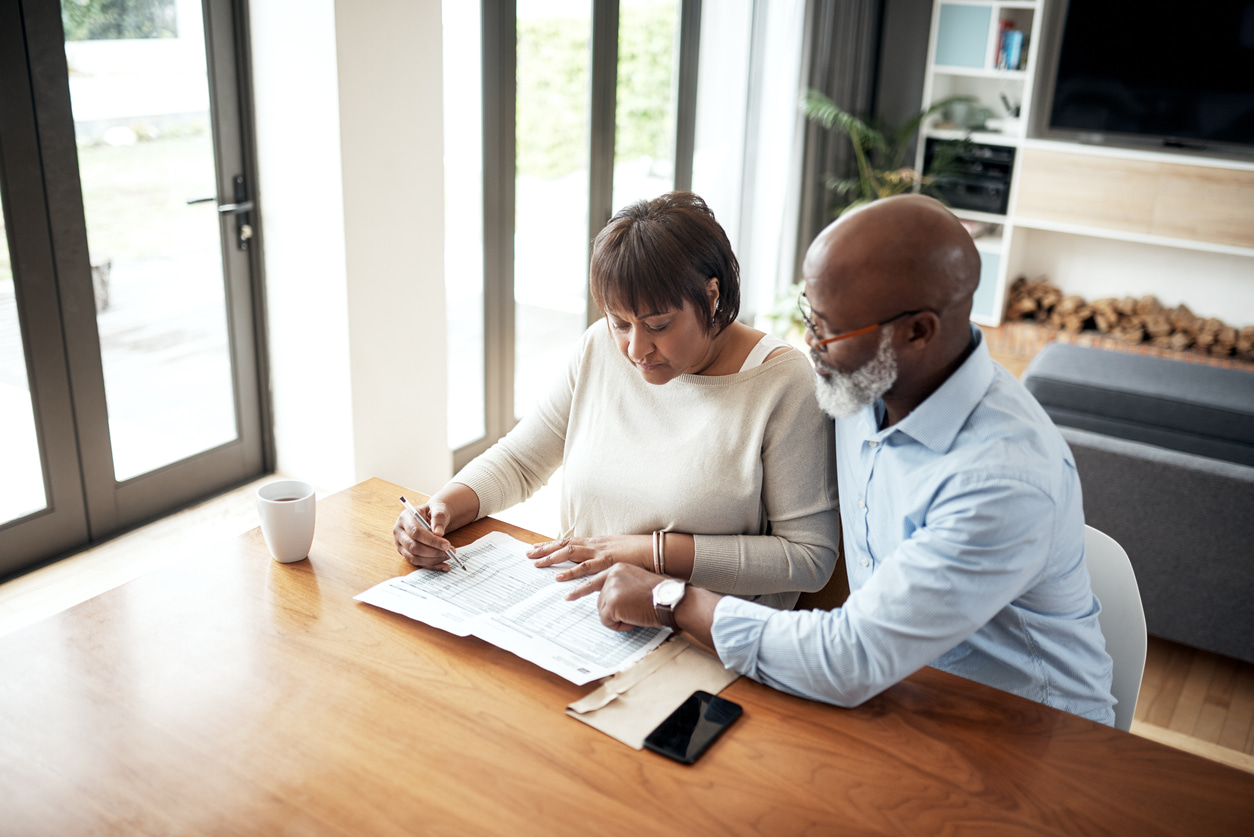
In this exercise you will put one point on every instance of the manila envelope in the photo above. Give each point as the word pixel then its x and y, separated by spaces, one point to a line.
pixel 629 705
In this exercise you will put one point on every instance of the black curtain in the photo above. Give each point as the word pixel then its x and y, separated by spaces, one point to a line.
pixel 841 57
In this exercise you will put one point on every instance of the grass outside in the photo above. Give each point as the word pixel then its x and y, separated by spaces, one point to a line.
pixel 135 197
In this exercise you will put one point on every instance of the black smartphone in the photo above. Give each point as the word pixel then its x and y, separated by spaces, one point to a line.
pixel 691 728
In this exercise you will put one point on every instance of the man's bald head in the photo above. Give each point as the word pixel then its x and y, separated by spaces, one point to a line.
pixel 908 251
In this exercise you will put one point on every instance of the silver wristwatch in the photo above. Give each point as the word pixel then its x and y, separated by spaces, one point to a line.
pixel 667 595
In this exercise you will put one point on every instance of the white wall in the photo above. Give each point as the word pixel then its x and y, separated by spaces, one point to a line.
pixel 349 124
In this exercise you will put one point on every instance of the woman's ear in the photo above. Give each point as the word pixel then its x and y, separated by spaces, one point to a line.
pixel 711 291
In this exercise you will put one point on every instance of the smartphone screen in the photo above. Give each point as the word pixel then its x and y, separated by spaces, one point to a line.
pixel 691 728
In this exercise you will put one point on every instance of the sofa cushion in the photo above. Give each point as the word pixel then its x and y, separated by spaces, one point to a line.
pixel 1183 406
pixel 1185 523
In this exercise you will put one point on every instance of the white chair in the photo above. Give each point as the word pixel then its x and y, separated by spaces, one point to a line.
pixel 1122 618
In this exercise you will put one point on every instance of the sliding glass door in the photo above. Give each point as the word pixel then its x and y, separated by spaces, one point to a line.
pixel 140 320
pixel 42 510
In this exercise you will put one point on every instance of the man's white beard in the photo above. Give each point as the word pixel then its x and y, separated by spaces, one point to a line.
pixel 842 394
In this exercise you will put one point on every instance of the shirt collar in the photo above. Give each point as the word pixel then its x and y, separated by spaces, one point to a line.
pixel 937 421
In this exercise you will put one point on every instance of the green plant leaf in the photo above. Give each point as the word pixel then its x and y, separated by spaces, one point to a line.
pixel 878 150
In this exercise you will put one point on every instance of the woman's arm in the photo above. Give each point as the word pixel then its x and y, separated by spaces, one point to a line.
pixel 799 497
pixel 506 474
pixel 592 555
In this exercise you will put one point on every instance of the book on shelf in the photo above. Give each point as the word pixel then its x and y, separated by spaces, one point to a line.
pixel 1010 51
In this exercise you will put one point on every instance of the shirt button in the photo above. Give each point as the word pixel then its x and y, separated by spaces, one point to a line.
pixel 865 562
pixel 873 443
pixel 862 504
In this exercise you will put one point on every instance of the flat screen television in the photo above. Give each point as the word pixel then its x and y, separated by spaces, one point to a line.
pixel 1175 73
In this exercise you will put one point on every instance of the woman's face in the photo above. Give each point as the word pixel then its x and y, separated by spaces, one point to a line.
pixel 663 344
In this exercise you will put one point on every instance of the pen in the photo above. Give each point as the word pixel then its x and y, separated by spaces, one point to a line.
pixel 452 555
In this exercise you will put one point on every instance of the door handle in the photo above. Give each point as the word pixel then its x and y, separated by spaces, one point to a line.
pixel 240 209
pixel 231 208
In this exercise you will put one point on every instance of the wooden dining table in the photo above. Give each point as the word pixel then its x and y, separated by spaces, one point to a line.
pixel 232 694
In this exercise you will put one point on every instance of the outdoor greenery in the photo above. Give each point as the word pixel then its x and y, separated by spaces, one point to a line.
pixel 553 89
pixel 646 54
pixel 880 152
pixel 135 197
pixel 100 20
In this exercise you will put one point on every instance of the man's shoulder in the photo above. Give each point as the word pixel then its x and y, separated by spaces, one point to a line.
pixel 1010 435
pixel 1008 401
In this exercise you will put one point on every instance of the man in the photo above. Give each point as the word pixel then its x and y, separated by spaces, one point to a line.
pixel 960 504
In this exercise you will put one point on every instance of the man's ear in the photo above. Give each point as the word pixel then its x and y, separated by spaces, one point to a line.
pixel 921 329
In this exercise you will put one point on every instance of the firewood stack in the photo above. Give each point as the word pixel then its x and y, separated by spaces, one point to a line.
pixel 1129 319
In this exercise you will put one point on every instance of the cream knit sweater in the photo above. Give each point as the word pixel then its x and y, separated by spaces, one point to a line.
pixel 744 462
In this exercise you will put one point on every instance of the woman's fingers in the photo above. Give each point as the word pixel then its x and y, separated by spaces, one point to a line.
pixel 434 541
pixel 554 552
pixel 418 546
pixel 437 515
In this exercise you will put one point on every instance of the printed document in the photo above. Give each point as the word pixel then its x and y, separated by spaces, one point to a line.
pixel 504 599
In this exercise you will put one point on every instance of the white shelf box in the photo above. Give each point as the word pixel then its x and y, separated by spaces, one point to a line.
pixel 988 90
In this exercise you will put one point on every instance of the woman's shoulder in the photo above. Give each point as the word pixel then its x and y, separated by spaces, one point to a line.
pixel 785 360
pixel 764 348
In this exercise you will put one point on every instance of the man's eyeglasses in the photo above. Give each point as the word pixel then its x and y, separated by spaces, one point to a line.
pixel 807 312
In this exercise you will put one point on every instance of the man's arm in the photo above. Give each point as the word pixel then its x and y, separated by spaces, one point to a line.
pixel 940 586
pixel 984 543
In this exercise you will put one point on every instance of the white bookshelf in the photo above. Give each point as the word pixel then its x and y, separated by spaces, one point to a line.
pixel 1075 246
pixel 963 52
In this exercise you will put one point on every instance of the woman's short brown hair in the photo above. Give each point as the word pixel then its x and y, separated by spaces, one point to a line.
pixel 654 255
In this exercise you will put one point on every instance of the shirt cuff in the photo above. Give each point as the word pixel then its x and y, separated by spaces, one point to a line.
pixel 737 632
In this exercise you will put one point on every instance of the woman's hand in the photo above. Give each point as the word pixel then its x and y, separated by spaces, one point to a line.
pixel 452 507
pixel 418 546
pixel 594 554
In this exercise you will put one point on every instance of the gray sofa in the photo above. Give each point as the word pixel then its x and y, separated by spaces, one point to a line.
pixel 1165 452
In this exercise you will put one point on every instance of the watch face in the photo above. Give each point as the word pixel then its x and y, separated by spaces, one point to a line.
pixel 667 593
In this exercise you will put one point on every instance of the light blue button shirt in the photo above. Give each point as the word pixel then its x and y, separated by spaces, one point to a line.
pixel 964 544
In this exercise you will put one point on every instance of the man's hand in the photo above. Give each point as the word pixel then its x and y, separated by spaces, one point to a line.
pixel 626 599
pixel 626 602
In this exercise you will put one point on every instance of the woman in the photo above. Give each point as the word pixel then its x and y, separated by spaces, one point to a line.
pixel 692 443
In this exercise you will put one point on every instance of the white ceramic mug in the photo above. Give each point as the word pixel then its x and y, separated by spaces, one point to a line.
pixel 286 509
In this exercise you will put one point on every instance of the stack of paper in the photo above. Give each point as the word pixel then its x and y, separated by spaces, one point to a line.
pixel 505 599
